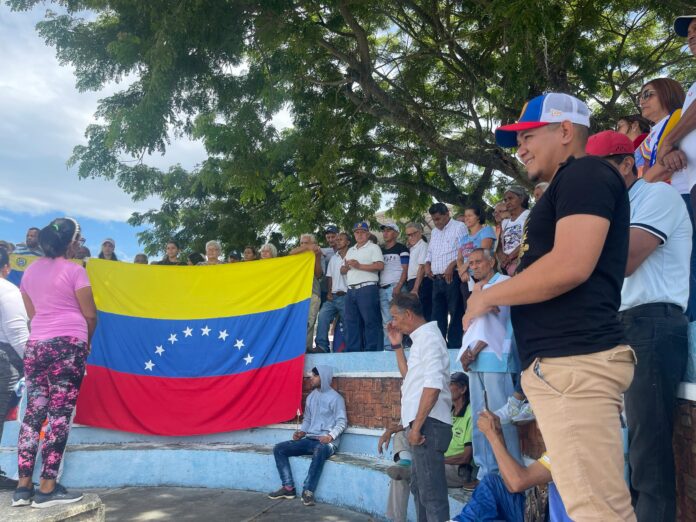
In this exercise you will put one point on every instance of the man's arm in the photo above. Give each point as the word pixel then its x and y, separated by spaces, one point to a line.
pixel 383 442
pixel 578 243
pixel 425 406
pixel 641 244
pixel 341 420
pixel 402 279
pixel 686 125
pixel 517 478
pixel 461 458
pixel 419 279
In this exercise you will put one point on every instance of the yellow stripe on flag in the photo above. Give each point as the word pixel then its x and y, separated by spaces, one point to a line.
pixel 200 292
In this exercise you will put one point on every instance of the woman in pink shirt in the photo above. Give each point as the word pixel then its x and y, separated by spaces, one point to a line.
pixel 59 303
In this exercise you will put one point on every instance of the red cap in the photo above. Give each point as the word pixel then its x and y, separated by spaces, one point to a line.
pixel 609 143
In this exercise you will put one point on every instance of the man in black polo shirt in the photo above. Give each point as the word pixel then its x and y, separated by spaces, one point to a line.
pixel 565 300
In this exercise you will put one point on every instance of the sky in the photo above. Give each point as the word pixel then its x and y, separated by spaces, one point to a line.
pixel 42 117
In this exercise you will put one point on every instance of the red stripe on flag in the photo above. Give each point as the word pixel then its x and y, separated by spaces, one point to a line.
pixel 190 406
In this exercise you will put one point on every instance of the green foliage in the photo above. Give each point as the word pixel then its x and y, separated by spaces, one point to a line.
pixel 388 99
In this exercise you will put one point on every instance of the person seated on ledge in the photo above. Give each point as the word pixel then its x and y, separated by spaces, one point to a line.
pixel 458 463
pixel 324 421
pixel 501 497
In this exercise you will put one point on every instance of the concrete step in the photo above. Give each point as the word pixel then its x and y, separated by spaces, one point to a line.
pixel 89 509
pixel 352 481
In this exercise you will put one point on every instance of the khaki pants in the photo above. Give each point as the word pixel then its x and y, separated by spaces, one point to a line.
pixel 577 403
pixel 314 305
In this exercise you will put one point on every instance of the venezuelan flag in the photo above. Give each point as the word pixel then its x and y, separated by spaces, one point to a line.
pixel 18 264
pixel 192 350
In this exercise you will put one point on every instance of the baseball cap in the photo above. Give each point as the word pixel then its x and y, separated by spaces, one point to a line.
pixel 681 24
pixel 460 378
pixel 331 229
pixel 552 107
pixel 390 225
pixel 109 240
pixel 234 254
pixel 609 143
pixel 516 189
pixel 362 225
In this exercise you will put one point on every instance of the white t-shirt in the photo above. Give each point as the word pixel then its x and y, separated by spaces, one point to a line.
pixel 688 143
pixel 419 253
pixel 13 317
pixel 338 280
pixel 512 232
pixel 663 277
pixel 367 254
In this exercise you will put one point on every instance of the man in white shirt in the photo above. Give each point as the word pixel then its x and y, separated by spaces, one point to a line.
pixel 653 301
pixel 416 282
pixel 426 404
pixel 334 306
pixel 13 338
pixel 440 265
pixel 678 150
pixel 363 318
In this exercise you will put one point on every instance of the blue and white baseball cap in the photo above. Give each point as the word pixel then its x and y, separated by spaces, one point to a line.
pixel 682 23
pixel 551 107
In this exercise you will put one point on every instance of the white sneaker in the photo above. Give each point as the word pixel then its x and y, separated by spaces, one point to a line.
pixel 509 410
pixel 524 415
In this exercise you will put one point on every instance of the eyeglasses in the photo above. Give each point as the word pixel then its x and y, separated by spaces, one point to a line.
pixel 645 95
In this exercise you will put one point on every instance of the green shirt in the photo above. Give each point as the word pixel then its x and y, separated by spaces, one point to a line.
pixel 462 432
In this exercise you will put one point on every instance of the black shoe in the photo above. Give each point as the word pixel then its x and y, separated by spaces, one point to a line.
pixel 23 496
pixel 283 492
pixel 308 498
pixel 59 495
pixel 6 482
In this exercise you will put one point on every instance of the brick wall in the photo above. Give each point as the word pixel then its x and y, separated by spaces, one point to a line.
pixel 685 457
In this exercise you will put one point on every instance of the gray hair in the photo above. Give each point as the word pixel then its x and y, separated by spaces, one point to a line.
pixel 214 243
pixel 417 226
pixel 271 248
pixel 487 254
pixel 310 236
pixel 542 185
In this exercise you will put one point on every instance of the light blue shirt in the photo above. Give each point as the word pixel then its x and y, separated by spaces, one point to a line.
pixel 657 208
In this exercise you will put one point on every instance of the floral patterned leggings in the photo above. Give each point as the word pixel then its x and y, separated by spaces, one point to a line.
pixel 53 369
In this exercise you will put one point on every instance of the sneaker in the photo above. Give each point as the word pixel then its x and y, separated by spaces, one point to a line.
pixel 22 496
pixel 308 498
pixel 59 495
pixel 283 492
pixel 470 486
pixel 509 410
pixel 399 472
pixel 525 414
pixel 6 482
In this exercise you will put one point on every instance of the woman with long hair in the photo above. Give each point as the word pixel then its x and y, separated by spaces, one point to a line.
pixel 107 251
pixel 59 302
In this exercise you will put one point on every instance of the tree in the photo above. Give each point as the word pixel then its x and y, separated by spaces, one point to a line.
pixel 386 97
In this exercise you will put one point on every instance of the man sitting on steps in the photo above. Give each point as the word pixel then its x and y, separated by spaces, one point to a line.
pixel 324 421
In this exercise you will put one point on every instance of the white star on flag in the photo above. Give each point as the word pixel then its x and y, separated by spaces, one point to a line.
pixel 172 338
pixel 159 350
pixel 188 332
pixel 223 335
pixel 239 344
pixel 205 331
pixel 149 364
pixel 248 359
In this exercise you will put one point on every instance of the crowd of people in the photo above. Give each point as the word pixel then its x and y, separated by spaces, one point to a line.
pixel 567 311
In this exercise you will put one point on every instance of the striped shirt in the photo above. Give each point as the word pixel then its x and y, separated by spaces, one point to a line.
pixel 442 249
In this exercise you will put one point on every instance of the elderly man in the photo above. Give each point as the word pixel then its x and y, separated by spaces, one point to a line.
pixel 416 282
pixel 31 245
pixel 308 243
pixel 488 355
pixel 441 265
pixel 565 298
pixel 393 277
pixel 335 305
pixel 652 312
pixel 426 404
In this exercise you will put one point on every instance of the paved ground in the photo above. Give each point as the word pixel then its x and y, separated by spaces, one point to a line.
pixel 213 505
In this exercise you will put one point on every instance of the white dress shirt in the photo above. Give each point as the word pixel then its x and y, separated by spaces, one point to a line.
pixel 13 317
pixel 419 253
pixel 442 249
pixel 428 367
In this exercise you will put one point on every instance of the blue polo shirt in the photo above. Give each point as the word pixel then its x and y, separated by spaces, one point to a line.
pixel 657 208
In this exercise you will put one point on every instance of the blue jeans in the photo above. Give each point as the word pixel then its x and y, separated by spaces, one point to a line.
pixel 498 387
pixel 329 311
pixel 362 320
pixel 492 501
pixel 385 297
pixel 294 448
pixel 691 308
